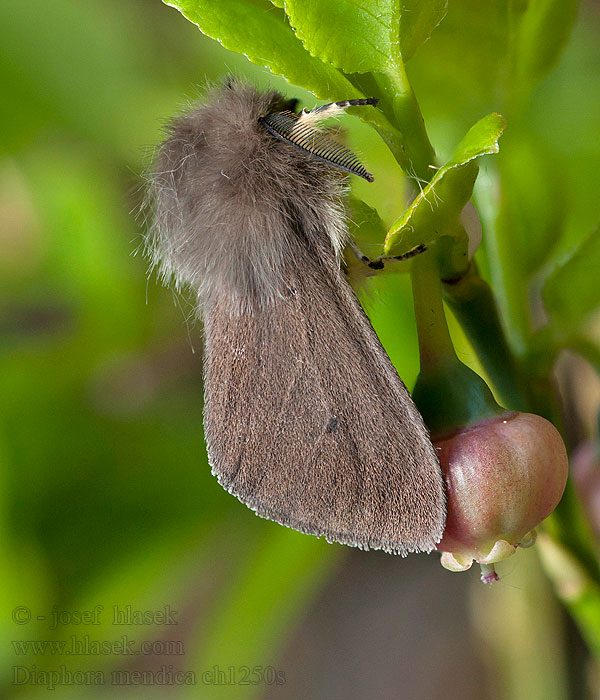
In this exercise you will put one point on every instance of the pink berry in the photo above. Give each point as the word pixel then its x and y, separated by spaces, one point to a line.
pixel 503 477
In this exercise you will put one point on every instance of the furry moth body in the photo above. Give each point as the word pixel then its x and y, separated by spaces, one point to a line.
pixel 306 419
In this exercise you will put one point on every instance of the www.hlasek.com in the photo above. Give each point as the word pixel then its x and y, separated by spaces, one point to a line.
pixel 83 645
pixel 165 675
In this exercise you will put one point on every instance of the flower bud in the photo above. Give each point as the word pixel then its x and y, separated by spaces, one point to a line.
pixel 504 475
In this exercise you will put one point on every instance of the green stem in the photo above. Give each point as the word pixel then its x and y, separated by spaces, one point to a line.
pixel 448 394
pixel 416 153
pixel 435 344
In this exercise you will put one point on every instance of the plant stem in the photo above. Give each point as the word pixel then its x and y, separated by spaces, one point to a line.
pixel 417 152
pixel 435 344
pixel 448 394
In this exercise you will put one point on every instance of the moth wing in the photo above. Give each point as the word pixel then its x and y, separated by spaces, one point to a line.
pixel 308 423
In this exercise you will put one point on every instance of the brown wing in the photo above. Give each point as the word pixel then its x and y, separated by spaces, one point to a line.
pixel 308 423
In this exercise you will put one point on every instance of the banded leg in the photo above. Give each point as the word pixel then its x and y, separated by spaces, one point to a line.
pixel 379 263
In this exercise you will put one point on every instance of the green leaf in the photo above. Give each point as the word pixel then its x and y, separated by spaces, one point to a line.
pixel 267 40
pixel 435 212
pixel 366 227
pixel 418 19
pixel 572 290
pixel 357 36
pixel 480 140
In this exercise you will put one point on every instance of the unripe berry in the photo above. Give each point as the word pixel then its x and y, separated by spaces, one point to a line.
pixel 504 475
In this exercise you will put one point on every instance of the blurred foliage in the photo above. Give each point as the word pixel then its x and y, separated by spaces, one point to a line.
pixel 106 496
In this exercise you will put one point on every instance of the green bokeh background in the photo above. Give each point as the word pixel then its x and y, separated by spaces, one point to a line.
pixel 106 496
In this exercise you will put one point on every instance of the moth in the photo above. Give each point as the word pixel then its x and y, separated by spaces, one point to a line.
pixel 306 420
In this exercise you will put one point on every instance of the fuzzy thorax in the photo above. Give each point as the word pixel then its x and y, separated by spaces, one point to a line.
pixel 231 201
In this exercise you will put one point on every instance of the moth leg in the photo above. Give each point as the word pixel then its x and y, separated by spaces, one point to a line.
pixel 379 263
